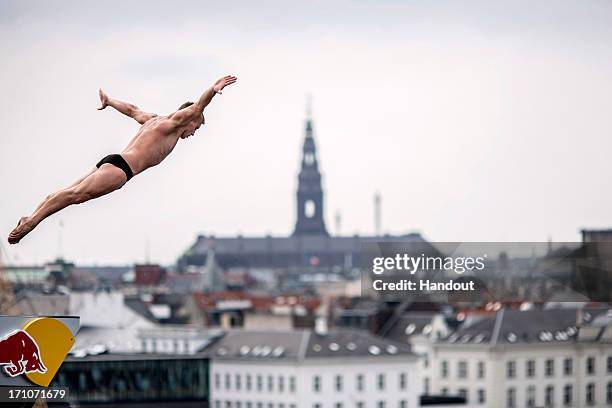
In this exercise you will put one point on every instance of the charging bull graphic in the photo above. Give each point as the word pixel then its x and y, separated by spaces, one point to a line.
pixel 19 354
pixel 32 348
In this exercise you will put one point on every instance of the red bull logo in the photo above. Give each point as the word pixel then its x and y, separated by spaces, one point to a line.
pixel 32 349
pixel 20 354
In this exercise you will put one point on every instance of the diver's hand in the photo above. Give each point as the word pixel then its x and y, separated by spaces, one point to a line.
pixel 223 82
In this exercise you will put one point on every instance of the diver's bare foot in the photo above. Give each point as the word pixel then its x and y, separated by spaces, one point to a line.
pixel 21 230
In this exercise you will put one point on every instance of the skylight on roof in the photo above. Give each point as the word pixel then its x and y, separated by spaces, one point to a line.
pixel 479 338
pixel 545 336
pixel 375 350
pixel 391 349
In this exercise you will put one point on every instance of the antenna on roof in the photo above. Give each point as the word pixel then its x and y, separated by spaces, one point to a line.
pixel 60 240
pixel 147 251
pixel 338 220
pixel 377 214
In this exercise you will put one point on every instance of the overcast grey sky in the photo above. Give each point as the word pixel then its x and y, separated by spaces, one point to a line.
pixel 476 120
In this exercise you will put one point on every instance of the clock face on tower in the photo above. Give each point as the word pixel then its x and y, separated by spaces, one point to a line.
pixel 309 158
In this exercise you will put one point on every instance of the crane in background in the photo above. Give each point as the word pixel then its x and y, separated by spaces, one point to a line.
pixel 8 302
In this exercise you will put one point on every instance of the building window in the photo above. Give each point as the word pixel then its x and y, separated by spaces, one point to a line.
pixel 292 384
pixel 530 397
pixel 403 381
pixel 316 383
pixel 228 382
pixel 238 381
pixel 259 383
pixel 270 383
pixel 590 394
pixel 260 405
pixel 381 404
pixel 590 365
pixel 338 405
pixel 462 369
pixel 481 369
pixel 568 366
pixel 360 404
pixel 549 396
pixel 217 404
pixel 228 404
pixel 444 369
pixel 426 382
pixel 568 395
pixel 338 383
pixel 609 364
pixel 510 398
pixel 270 405
pixel 511 369
pixel 549 367
pixel 249 404
pixel 239 404
pixel 444 391
pixel 530 371
pixel 482 396
pixel 281 383
pixel 381 382
pixel 463 393
pixel 248 382
pixel 217 381
pixel 403 404
pixel 609 392
pixel 360 382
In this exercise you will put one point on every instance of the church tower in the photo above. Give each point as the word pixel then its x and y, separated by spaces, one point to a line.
pixel 309 194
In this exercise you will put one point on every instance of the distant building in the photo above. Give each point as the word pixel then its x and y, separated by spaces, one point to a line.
pixel 109 380
pixel 305 369
pixel 31 275
pixel 251 311
pixel 149 274
pixel 116 324
pixel 310 248
pixel 36 303
pixel 527 359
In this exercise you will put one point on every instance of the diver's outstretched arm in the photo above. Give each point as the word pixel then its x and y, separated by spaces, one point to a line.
pixel 185 115
pixel 126 108
pixel 217 87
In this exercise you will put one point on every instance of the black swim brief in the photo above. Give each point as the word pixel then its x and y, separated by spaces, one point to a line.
pixel 117 161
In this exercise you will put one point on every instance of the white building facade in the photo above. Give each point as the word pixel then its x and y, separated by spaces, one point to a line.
pixel 526 359
pixel 350 369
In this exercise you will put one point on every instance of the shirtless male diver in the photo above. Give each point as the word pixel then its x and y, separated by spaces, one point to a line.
pixel 154 141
